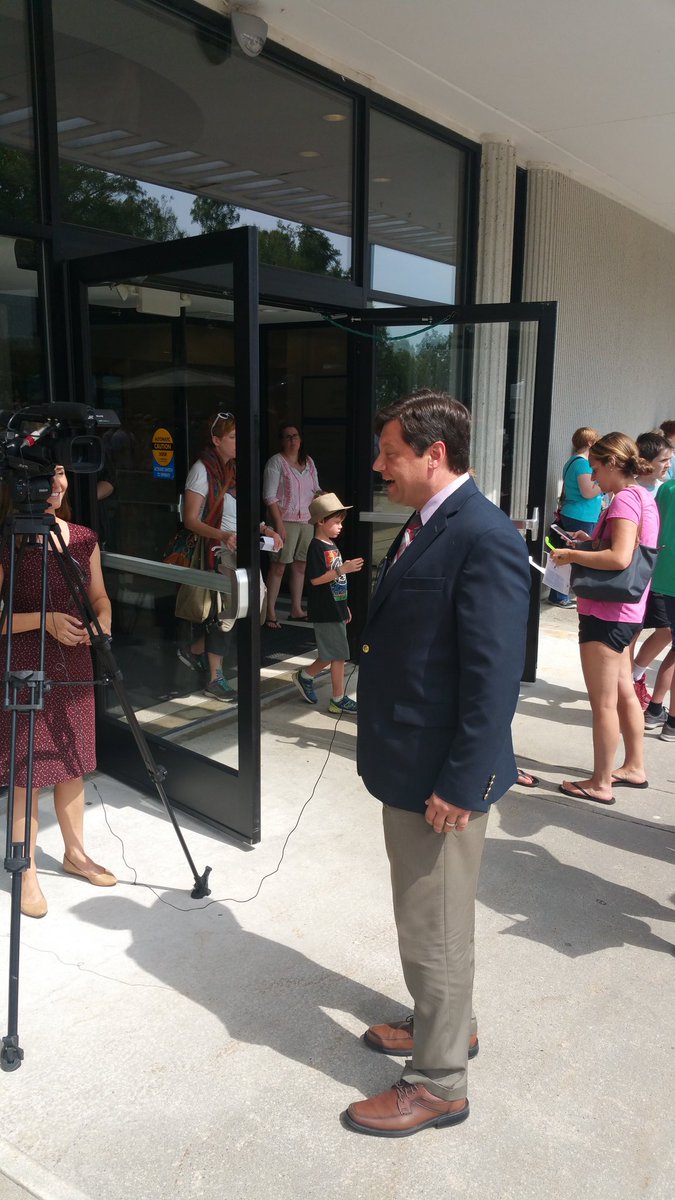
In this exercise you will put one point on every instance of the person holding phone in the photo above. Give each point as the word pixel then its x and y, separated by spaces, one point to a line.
pixel 581 498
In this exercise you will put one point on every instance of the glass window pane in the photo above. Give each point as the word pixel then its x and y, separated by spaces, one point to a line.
pixel 165 132
pixel 21 378
pixel 17 164
pixel 416 210
pixel 166 377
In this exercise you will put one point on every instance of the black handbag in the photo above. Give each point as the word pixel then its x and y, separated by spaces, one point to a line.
pixel 618 587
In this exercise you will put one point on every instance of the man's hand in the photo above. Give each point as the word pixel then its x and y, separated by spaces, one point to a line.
pixel 445 817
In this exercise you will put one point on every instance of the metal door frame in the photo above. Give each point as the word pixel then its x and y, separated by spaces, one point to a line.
pixel 231 799
pixel 544 315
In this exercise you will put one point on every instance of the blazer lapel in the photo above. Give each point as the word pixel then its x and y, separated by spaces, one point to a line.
pixel 420 543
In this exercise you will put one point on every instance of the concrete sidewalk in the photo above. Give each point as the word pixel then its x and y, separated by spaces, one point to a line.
pixel 193 1050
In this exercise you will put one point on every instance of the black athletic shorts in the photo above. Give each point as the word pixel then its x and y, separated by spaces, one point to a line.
pixel 615 634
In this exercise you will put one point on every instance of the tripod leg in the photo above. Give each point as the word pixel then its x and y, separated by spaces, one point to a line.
pixel 31 892
pixel 155 772
pixel 18 854
pixel 101 643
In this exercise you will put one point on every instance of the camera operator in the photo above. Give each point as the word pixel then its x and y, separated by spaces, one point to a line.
pixel 64 745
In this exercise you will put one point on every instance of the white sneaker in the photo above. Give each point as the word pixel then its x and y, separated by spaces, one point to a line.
pixel 667 734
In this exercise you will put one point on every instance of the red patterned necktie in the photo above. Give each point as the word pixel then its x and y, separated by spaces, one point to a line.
pixel 412 528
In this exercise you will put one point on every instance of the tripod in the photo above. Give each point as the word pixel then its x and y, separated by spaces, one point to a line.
pixel 27 527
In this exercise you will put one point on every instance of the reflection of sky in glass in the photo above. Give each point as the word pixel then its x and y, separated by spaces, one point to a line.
pixel 410 275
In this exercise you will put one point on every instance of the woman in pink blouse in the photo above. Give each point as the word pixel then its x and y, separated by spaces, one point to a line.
pixel 290 483
pixel 606 629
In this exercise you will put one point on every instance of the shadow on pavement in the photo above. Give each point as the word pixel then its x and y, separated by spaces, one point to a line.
pixel 265 993
pixel 567 908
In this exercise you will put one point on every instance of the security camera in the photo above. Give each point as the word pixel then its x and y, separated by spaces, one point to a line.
pixel 250 32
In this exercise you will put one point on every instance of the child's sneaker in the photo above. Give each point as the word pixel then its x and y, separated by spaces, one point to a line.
pixel 305 687
pixel 667 733
pixel 345 705
pixel 196 662
pixel 642 692
pixel 655 720
pixel 220 689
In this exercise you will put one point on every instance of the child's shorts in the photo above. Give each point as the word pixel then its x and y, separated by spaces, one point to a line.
pixel 331 641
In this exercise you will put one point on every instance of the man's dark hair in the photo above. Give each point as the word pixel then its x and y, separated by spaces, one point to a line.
pixel 651 444
pixel 427 417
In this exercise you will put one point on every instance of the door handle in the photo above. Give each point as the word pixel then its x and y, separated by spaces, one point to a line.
pixel 530 524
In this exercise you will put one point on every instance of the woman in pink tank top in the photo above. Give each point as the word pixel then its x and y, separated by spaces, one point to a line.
pixel 606 629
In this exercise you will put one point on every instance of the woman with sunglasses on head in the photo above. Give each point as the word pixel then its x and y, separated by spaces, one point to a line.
pixel 290 483
pixel 607 628
pixel 211 490
pixel 64 741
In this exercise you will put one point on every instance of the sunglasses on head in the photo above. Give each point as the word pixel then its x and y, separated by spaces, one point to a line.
pixel 226 416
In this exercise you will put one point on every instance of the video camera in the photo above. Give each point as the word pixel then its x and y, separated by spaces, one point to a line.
pixel 36 439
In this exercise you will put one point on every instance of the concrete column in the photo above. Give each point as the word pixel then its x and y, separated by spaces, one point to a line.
pixel 493 285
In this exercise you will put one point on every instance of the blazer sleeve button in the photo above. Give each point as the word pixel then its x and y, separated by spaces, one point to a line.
pixel 365 648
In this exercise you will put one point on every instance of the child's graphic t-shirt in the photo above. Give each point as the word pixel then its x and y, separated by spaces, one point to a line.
pixel 326 601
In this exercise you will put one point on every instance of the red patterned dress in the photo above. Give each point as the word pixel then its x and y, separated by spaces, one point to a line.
pixel 64 746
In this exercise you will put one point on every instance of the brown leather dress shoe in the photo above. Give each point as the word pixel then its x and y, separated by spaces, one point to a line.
pixel 403 1109
pixel 397 1038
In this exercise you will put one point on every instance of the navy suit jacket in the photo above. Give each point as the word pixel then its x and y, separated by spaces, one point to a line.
pixel 442 658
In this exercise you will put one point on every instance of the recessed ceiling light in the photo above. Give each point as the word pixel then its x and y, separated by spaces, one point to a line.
pixel 137 148
pixel 229 175
pixel 72 123
pixel 259 183
pixel 16 116
pixel 97 139
pixel 305 202
pixel 203 166
pixel 292 191
pixel 334 117
pixel 158 160
pixel 309 154
pixel 381 179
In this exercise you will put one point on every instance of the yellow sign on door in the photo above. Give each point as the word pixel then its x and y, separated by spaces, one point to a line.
pixel 162 447
pixel 162 451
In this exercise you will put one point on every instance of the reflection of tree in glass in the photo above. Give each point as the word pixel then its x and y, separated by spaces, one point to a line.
pixel 407 366
pixel 395 370
pixel 303 249
pixel 17 182
pixel 106 201
pixel 89 197
pixel 212 215
pixel 432 365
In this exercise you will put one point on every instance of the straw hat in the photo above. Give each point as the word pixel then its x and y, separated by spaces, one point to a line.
pixel 326 505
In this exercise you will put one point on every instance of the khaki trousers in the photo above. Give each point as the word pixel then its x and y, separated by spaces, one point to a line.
pixel 434 879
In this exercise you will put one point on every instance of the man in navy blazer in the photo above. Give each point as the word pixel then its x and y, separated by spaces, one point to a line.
pixel 439 673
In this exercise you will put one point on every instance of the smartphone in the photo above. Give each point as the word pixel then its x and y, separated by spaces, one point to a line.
pixel 566 537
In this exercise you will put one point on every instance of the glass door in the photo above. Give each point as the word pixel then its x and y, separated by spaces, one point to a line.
pixel 496 359
pixel 168 341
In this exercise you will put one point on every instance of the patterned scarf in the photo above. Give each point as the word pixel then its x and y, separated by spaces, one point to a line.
pixel 222 478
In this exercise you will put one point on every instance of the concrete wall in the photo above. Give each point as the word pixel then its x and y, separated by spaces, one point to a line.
pixel 613 275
